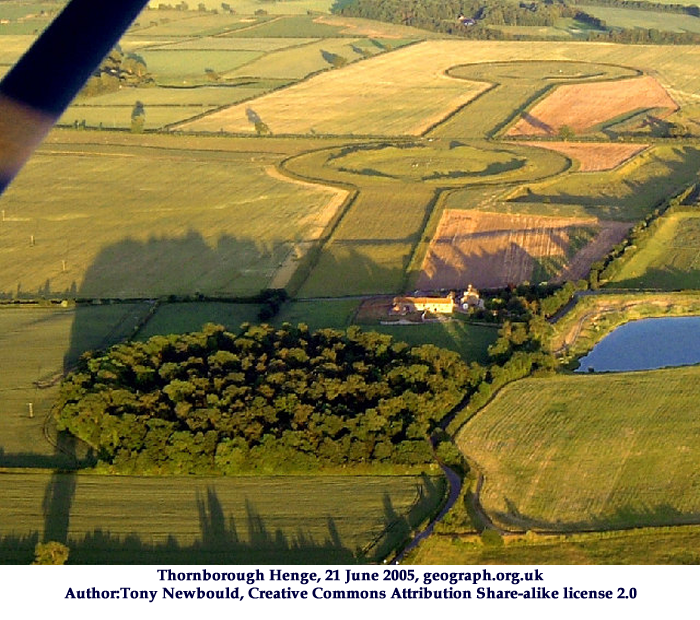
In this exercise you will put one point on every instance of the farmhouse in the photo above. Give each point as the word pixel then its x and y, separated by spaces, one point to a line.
pixel 438 305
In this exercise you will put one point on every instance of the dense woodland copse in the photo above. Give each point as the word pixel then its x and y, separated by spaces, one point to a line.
pixel 263 399
pixel 479 19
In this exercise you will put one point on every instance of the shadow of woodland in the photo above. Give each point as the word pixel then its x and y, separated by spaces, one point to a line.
pixel 622 517
pixel 220 540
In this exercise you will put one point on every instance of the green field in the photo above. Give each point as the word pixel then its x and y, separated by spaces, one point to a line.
pixel 180 318
pixel 590 452
pixel 670 260
pixel 673 545
pixel 50 340
pixel 302 26
pixel 184 66
pixel 246 520
pixel 193 220
pixel 625 194
pixel 470 341
pixel 617 17
pixel 249 43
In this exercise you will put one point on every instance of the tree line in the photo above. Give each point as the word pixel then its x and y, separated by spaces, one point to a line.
pixel 479 19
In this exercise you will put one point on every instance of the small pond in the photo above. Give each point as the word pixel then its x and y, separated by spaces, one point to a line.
pixel 646 344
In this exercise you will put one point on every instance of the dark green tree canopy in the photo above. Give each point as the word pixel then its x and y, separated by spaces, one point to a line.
pixel 262 399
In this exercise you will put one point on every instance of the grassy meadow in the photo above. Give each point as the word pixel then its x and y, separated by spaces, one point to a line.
pixel 670 260
pixel 226 233
pixel 659 545
pixel 590 452
pixel 51 339
pixel 618 17
pixel 194 520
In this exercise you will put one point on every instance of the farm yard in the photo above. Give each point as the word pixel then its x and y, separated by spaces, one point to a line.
pixel 345 161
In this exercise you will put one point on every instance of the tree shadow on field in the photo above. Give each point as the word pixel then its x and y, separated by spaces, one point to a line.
pixel 604 200
pixel 642 514
pixel 219 542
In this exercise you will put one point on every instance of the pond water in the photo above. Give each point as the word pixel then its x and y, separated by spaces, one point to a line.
pixel 646 344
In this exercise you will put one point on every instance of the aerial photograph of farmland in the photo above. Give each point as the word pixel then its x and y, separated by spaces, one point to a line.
pixel 355 281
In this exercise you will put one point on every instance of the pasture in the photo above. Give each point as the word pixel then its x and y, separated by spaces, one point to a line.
pixel 625 194
pixel 658 545
pixel 618 17
pixel 227 233
pixel 596 452
pixel 670 260
pixel 470 341
pixel 50 340
pixel 194 520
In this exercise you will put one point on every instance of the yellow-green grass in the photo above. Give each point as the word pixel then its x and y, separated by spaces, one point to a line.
pixel 662 545
pixel 13 46
pixel 37 344
pixel 186 65
pixel 190 23
pixel 300 61
pixel 590 452
pixel 373 96
pixel 625 194
pixel 617 17
pixel 445 163
pixel 512 86
pixel 238 520
pixel 318 313
pixel 181 318
pixel 28 26
pixel 470 341
pixel 261 44
pixel 119 117
pixel 303 26
pixel 16 10
pixel 669 260
pixel 135 221
pixel 243 7
pixel 213 96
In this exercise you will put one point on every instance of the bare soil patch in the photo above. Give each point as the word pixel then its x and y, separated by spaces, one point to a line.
pixel 584 106
pixel 491 250
pixel 594 156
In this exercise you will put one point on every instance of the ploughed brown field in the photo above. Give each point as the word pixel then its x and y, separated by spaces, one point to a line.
pixel 491 250
pixel 582 107
pixel 594 156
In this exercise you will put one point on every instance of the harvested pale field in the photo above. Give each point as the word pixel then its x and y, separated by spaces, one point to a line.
pixel 402 92
pixel 594 156
pixel 583 107
pixel 491 250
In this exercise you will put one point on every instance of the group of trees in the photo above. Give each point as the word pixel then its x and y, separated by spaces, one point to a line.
pixel 479 19
pixel 262 399
pixel 117 70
